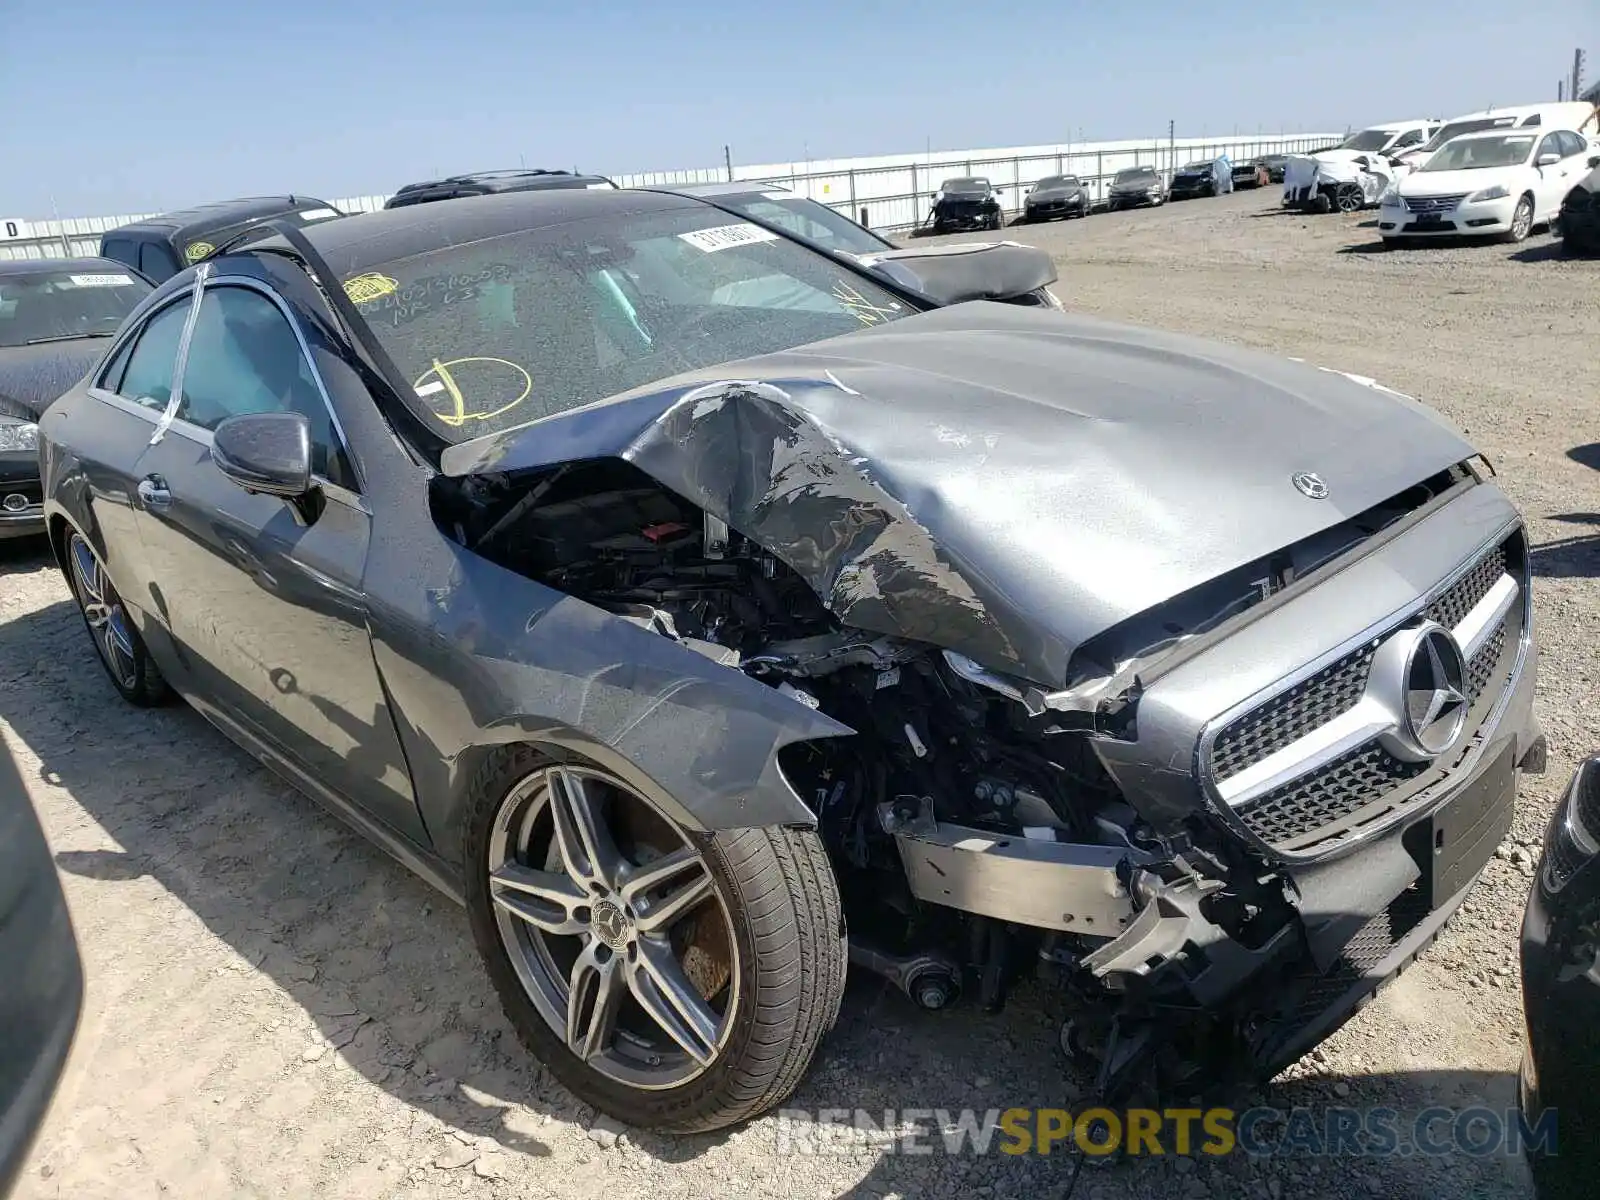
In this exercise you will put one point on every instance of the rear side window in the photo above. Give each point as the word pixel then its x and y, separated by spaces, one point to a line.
pixel 1532 121
pixel 120 249
pixel 156 261
pixel 147 377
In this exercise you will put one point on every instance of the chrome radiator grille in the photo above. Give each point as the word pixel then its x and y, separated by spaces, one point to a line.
pixel 1350 782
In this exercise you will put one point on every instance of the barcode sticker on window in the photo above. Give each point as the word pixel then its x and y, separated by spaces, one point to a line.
pixel 100 280
pixel 317 214
pixel 723 236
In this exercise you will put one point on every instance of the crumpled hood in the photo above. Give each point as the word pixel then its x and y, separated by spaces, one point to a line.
pixel 1001 481
pixel 33 376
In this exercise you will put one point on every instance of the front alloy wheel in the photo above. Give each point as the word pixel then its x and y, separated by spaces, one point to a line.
pixel 1521 221
pixel 1349 198
pixel 678 981
pixel 116 641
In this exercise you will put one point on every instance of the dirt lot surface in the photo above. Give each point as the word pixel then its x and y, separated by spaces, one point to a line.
pixel 276 1009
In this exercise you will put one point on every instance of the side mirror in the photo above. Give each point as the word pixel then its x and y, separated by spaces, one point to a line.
pixel 267 454
pixel 1547 160
pixel 1594 161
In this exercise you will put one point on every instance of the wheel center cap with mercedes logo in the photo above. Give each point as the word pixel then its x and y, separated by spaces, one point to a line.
pixel 609 924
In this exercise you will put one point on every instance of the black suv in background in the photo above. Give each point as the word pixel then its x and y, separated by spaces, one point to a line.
pixel 485 183
pixel 162 246
pixel 969 202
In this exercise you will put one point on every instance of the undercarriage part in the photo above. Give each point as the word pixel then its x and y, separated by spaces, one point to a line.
pixel 1046 884
pixel 929 981
pixel 991 954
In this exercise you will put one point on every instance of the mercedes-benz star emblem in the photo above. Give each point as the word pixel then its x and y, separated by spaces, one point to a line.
pixel 1420 677
pixel 609 924
pixel 1309 485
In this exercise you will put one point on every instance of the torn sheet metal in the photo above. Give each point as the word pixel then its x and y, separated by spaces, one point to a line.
pixel 1000 481
pixel 1304 177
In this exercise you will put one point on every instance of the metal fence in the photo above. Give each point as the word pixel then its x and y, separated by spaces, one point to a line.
pixel 891 193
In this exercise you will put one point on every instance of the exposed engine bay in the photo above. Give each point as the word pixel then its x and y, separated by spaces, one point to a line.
pixel 964 786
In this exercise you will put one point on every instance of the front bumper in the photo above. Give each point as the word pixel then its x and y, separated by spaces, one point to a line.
pixel 1465 219
pixel 21 510
pixel 1056 208
pixel 966 218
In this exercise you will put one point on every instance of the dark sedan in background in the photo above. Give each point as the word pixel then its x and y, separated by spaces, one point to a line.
pixel 1056 196
pixel 1135 187
pixel 1206 177
pixel 54 316
pixel 969 202
pixel 41 975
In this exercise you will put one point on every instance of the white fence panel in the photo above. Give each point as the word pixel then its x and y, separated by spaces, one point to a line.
pixel 887 191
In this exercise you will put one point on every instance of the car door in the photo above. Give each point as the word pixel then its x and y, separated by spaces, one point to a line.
pixel 1548 185
pixel 110 429
pixel 264 602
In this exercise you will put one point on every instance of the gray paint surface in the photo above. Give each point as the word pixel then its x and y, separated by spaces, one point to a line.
pixel 1000 481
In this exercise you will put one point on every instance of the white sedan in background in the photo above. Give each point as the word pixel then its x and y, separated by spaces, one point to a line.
pixel 1495 182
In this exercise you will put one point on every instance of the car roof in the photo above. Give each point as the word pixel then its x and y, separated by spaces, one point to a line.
pixel 487 182
pixel 17 267
pixel 732 187
pixel 182 224
pixel 365 240
pixel 1400 126
pixel 1559 108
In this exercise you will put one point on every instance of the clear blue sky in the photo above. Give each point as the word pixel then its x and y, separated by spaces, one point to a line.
pixel 135 106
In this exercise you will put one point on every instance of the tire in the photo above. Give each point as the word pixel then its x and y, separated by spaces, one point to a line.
pixel 1349 198
pixel 117 643
pixel 1323 203
pixel 771 899
pixel 1521 221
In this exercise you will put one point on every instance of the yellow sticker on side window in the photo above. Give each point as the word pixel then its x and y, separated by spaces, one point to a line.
pixel 364 289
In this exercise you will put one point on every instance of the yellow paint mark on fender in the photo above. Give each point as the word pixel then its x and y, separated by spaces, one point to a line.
pixel 444 373
pixel 364 289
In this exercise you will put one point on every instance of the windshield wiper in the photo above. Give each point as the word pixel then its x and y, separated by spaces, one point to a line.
pixel 69 337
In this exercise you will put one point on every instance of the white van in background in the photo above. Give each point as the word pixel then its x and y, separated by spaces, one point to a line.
pixel 1577 115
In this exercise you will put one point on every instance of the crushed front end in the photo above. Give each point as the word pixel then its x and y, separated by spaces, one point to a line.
pixel 1220 849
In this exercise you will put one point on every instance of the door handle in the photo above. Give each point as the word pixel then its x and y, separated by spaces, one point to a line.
pixel 153 493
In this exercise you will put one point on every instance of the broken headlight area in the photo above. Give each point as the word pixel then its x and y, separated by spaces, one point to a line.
pixel 974 829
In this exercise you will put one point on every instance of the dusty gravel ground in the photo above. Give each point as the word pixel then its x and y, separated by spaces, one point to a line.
pixel 276 1009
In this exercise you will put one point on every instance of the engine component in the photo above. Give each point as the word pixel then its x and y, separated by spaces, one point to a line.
pixel 929 980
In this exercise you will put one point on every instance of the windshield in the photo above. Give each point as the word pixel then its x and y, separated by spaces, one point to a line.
pixel 505 330
pixel 1058 181
pixel 1134 174
pixel 974 184
pixel 53 306
pixel 1198 166
pixel 809 219
pixel 1368 140
pixel 1459 127
pixel 1471 154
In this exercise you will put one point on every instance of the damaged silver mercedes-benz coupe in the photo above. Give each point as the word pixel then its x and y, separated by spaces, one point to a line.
pixel 710 615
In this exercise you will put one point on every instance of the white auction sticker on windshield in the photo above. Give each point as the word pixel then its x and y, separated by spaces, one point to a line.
pixel 100 280
pixel 317 214
pixel 723 236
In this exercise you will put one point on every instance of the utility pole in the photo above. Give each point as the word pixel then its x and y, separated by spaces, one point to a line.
pixel 1172 146
pixel 1577 72
pixel 1561 90
pixel 727 162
